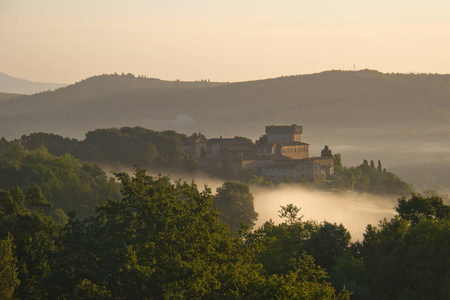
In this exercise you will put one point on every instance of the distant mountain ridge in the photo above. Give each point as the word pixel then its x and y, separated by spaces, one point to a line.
pixel 9 84
pixel 90 89
pixel 329 100
pixel 398 118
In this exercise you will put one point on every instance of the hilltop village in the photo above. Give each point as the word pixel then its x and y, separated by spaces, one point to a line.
pixel 278 155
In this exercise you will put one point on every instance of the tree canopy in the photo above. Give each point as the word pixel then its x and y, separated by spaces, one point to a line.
pixel 235 204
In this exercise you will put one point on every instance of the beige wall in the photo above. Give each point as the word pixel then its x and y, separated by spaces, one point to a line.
pixel 296 152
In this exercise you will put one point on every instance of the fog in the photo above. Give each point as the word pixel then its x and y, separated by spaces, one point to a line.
pixel 353 210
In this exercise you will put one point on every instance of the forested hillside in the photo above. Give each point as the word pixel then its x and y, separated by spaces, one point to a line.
pixel 123 148
pixel 163 240
pixel 8 96
pixel 402 119
pixel 367 99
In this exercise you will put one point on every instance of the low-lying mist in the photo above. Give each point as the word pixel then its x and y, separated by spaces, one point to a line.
pixel 355 211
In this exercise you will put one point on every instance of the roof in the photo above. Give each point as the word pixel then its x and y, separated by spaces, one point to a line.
pixel 230 141
pixel 291 143
pixel 200 139
pixel 294 128
pixel 283 144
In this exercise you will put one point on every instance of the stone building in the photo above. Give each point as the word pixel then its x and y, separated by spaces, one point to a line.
pixel 281 156
pixel 284 133
pixel 198 147
pixel 326 164
pixel 234 147
pixel 295 170
pixel 286 141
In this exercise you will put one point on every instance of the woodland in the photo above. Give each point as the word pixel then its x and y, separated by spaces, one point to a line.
pixel 70 231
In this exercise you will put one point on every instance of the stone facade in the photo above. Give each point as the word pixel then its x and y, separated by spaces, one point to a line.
pixel 281 134
pixel 234 147
pixel 282 156
pixel 296 170
pixel 295 150
pixel 326 163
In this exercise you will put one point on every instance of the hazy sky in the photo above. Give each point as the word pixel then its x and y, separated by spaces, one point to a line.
pixel 68 40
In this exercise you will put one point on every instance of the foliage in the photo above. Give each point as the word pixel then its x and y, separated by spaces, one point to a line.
pixel 65 182
pixel 166 241
pixel 261 181
pixel 327 243
pixel 326 152
pixel 235 204
pixel 33 235
pixel 280 243
pixel 367 178
pixel 128 146
pixel 405 257
pixel 8 269
pixel 419 207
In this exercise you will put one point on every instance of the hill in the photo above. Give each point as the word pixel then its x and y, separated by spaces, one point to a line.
pixel 8 96
pixel 335 99
pixel 9 84
pixel 398 118
pixel 80 93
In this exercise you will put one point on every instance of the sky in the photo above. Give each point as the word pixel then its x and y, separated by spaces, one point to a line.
pixel 64 41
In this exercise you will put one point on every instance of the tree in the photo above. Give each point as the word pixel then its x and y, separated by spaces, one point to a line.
pixel 379 168
pixel 328 243
pixel 8 269
pixel 160 240
pixel 338 161
pixel 235 204
pixel 33 236
pixel 326 152
pixel 405 257
pixel 66 182
pixel 282 243
pixel 419 207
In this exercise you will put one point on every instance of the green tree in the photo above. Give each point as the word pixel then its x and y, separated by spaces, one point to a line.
pixel 405 257
pixel 34 237
pixel 160 240
pixel 235 204
pixel 327 244
pixel 326 152
pixel 379 168
pixel 338 161
pixel 419 207
pixel 66 182
pixel 8 270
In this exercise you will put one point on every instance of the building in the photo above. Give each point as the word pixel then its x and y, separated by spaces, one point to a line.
pixel 198 147
pixel 234 147
pixel 284 140
pixel 284 133
pixel 326 164
pixel 295 170
pixel 281 156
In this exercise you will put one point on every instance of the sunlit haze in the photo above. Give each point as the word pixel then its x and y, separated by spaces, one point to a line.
pixel 66 41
